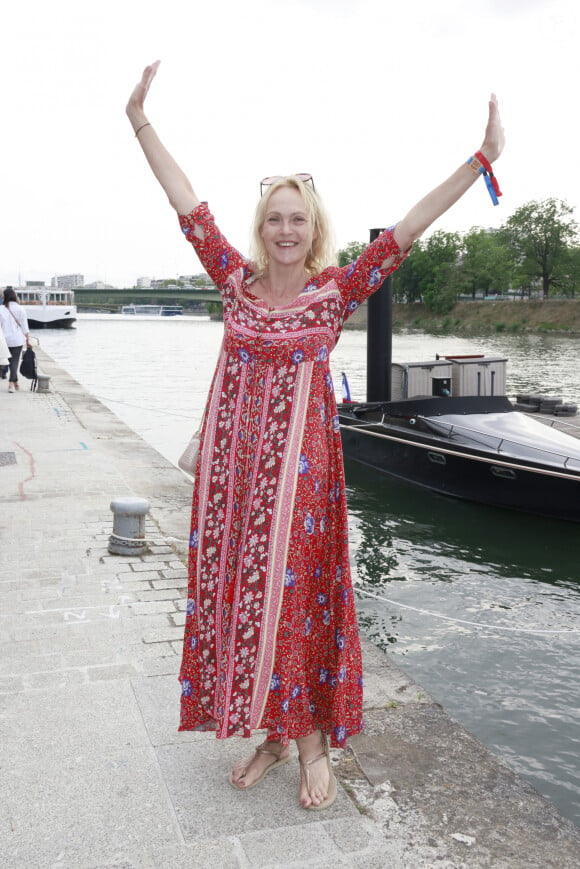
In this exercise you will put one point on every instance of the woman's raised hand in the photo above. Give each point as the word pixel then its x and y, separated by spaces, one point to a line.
pixel 135 106
pixel 171 177
pixel 436 203
pixel 494 138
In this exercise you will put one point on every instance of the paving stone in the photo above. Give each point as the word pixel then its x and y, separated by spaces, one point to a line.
pixel 163 634
pixel 11 684
pixel 162 594
pixel 161 666
pixel 139 567
pixel 113 671
pixel 138 576
pixel 52 680
pixel 177 582
pixel 145 608
pixel 291 846
pixel 155 650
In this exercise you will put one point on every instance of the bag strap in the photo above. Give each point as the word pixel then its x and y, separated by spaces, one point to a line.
pixel 15 320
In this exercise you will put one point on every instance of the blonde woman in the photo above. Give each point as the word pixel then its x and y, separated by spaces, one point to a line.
pixel 271 639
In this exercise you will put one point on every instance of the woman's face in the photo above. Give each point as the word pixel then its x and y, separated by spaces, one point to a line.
pixel 287 230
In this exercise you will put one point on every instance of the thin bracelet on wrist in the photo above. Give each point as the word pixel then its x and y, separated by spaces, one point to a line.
pixel 138 130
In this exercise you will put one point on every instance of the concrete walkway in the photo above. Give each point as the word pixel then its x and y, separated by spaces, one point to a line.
pixel 93 772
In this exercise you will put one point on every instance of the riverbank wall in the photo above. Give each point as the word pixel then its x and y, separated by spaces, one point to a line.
pixel 552 316
pixel 94 772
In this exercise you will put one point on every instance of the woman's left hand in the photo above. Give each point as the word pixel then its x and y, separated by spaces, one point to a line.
pixel 494 138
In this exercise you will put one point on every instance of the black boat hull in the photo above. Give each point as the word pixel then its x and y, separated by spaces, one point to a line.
pixel 460 471
pixel 64 323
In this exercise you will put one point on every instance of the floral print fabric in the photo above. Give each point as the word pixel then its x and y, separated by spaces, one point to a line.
pixel 271 637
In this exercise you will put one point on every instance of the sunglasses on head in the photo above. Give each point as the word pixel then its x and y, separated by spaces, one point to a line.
pixel 272 179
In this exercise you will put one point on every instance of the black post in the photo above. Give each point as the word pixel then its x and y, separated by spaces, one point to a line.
pixel 380 338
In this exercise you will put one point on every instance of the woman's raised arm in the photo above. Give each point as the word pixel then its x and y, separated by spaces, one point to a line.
pixel 436 203
pixel 173 180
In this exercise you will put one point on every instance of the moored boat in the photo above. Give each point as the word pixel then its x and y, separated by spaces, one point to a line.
pixel 48 308
pixel 171 310
pixel 445 424
pixel 475 447
pixel 153 310
pixel 141 310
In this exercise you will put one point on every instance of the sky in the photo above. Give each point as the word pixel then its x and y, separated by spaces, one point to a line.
pixel 379 100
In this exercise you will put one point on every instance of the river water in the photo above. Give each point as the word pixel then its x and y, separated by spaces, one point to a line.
pixel 480 606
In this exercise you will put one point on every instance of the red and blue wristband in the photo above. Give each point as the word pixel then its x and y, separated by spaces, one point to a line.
pixel 480 164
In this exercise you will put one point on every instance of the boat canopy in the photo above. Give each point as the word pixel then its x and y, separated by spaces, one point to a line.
pixel 513 434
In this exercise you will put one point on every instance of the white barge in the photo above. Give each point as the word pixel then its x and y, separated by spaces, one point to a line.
pixel 48 308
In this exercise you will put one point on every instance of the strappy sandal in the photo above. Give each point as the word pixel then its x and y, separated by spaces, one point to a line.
pixel 278 761
pixel 305 768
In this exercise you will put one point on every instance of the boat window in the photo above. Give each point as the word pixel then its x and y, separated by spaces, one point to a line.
pixel 437 458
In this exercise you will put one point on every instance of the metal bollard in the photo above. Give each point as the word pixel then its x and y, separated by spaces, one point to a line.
pixel 128 537
pixel 43 383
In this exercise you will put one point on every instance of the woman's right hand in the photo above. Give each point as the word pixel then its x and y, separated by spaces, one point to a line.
pixel 135 106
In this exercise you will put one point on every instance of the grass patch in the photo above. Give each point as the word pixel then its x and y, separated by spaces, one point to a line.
pixel 481 318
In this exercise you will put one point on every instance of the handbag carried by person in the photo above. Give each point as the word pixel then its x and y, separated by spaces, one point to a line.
pixel 188 459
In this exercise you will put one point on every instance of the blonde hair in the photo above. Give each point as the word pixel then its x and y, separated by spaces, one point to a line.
pixel 322 251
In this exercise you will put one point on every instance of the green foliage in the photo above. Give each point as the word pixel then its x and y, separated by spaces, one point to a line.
pixel 215 310
pixel 428 273
pixel 407 280
pixel 541 236
pixel 537 246
pixel 440 286
pixel 571 266
pixel 486 264
pixel 351 252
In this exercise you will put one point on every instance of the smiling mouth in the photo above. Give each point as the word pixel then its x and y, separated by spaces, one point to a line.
pixel 286 243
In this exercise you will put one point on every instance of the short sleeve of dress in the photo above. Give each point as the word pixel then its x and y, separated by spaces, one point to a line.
pixel 364 276
pixel 216 254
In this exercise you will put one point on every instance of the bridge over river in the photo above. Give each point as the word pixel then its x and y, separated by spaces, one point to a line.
pixel 113 300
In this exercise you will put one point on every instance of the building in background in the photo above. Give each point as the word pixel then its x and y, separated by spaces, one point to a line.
pixel 67 282
pixel 98 285
pixel 143 283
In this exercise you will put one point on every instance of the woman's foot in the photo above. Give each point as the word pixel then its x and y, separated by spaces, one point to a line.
pixel 11 387
pixel 268 756
pixel 317 781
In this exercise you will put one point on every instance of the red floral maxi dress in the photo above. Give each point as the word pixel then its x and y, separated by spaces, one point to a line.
pixel 271 638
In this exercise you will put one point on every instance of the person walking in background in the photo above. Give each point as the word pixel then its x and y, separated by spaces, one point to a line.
pixel 271 639
pixel 4 356
pixel 14 327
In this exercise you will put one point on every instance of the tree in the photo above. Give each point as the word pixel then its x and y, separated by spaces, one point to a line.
pixel 572 268
pixel 486 263
pixel 408 280
pixel 429 273
pixel 540 235
pixel 441 286
pixel 351 252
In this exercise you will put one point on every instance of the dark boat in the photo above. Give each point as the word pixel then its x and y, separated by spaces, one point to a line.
pixel 476 448
pixel 451 429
